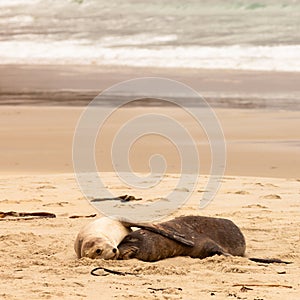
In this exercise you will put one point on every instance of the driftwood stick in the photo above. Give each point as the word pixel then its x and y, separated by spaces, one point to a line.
pixel 77 217
pixel 21 219
pixel 23 215
pixel 269 260
pixel 110 271
pixel 123 198
pixel 265 285
pixel 162 289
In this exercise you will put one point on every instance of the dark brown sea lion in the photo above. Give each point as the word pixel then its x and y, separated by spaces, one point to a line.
pixel 210 236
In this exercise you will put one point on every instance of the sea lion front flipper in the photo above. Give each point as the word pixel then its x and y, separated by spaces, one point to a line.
pixel 173 235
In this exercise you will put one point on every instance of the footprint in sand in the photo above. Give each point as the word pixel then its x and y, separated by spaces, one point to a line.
pixel 119 187
pixel 271 185
pixel 202 191
pixel 255 206
pixel 182 189
pixel 267 185
pixel 46 187
pixel 158 199
pixel 239 193
pixel 63 203
pixel 7 201
pixel 271 196
pixel 229 178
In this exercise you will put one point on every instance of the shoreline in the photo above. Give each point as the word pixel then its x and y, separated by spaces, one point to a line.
pixel 73 85
pixel 81 99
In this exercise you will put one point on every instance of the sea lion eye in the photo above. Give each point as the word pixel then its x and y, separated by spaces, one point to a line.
pixel 114 250
pixel 98 251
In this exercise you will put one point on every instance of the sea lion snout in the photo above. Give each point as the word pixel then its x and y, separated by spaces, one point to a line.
pixel 99 251
pixel 99 248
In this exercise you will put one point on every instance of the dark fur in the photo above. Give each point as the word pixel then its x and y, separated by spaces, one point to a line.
pixel 210 236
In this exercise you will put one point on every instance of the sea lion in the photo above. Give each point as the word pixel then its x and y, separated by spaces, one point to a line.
pixel 100 239
pixel 210 236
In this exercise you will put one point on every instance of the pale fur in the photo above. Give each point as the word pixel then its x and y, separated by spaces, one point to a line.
pixel 104 234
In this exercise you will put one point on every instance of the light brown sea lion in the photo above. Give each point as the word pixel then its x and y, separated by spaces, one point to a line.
pixel 210 236
pixel 100 239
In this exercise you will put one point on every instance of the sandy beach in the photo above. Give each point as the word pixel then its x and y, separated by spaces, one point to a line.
pixel 38 260
pixel 260 193
pixel 213 118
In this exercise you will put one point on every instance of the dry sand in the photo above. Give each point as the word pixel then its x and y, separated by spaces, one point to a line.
pixel 38 261
pixel 260 193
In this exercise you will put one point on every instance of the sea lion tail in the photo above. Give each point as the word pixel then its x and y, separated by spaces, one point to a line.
pixel 269 260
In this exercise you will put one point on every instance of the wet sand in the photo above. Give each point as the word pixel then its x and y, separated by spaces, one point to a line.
pixel 259 142
pixel 77 85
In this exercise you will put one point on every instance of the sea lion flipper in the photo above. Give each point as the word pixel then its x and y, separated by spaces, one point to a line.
pixel 209 248
pixel 171 234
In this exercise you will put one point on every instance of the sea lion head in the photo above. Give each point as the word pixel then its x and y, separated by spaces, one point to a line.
pixel 99 248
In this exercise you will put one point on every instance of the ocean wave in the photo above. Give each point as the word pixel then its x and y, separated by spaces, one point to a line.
pixel 214 34
pixel 267 58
